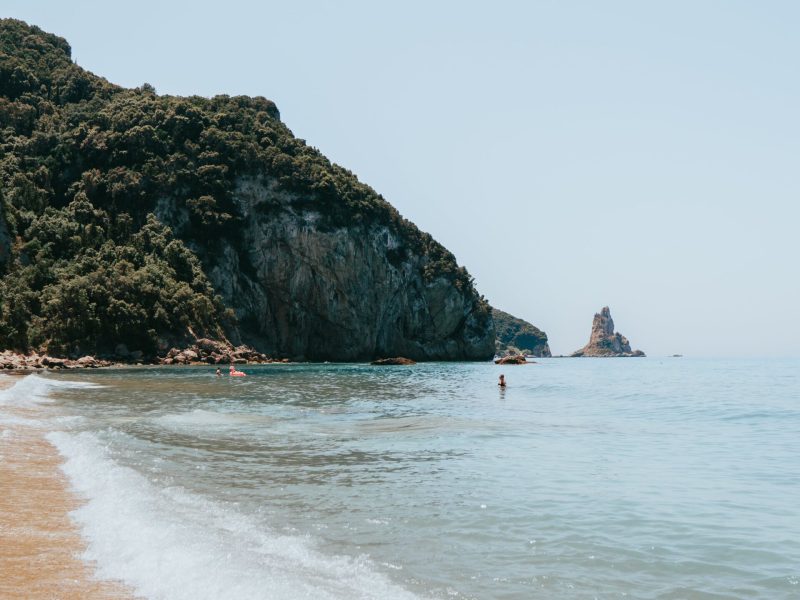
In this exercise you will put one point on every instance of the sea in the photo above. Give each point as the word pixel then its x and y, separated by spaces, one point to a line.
pixel 662 478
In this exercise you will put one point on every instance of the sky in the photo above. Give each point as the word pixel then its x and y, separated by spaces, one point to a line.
pixel 572 155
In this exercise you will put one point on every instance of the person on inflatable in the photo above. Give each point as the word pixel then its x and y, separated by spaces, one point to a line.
pixel 234 373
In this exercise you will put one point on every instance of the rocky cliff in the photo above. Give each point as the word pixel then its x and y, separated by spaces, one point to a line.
pixel 604 341
pixel 153 221
pixel 515 336
pixel 304 289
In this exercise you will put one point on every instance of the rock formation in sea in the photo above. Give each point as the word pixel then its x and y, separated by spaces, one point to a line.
pixel 604 341
pixel 398 360
pixel 512 359
pixel 516 336
pixel 152 221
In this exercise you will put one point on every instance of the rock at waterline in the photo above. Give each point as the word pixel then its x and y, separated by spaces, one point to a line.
pixel 23 362
pixel 398 360
pixel 514 359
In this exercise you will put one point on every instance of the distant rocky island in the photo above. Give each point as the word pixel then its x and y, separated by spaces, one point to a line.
pixel 517 336
pixel 604 341
pixel 134 220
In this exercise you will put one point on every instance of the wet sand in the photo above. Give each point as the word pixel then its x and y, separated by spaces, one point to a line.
pixel 40 547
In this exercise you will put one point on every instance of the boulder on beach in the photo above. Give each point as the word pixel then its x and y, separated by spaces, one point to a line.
pixel 214 352
pixel 16 361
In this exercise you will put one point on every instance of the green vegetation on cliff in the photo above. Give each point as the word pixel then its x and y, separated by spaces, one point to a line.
pixel 85 167
pixel 517 336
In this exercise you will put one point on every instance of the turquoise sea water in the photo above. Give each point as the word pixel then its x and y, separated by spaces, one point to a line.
pixel 585 478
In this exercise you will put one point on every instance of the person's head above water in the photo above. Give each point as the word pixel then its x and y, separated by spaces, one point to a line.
pixel 502 382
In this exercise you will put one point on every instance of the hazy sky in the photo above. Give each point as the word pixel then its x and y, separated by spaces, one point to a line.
pixel 640 155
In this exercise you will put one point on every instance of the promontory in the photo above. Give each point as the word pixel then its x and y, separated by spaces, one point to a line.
pixel 517 336
pixel 151 221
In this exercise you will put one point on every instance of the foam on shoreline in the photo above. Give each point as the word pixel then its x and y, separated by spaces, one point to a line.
pixel 167 543
pixel 39 544
pixel 76 524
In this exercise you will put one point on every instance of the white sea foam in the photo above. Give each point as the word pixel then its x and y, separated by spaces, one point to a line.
pixel 30 391
pixel 168 544
pixel 35 389
pixel 26 391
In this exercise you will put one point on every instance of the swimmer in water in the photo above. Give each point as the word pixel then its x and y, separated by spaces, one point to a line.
pixel 502 382
pixel 218 373
pixel 234 373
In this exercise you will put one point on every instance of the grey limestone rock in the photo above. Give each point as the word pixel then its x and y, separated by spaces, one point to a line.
pixel 604 341
pixel 304 289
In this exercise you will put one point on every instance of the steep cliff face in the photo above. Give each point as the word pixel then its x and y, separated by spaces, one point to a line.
pixel 304 289
pixel 139 219
pixel 517 335
pixel 604 341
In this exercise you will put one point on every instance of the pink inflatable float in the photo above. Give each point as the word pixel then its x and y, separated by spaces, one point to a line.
pixel 234 373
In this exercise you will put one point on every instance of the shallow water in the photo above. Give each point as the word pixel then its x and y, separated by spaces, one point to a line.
pixel 642 478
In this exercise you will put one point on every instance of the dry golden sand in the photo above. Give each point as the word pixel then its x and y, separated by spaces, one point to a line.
pixel 40 547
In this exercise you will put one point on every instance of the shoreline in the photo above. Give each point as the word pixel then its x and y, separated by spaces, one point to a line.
pixel 202 351
pixel 40 546
pixel 41 368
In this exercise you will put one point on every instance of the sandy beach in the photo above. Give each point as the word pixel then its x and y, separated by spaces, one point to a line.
pixel 40 547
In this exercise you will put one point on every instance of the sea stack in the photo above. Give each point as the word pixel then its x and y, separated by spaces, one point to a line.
pixel 604 341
